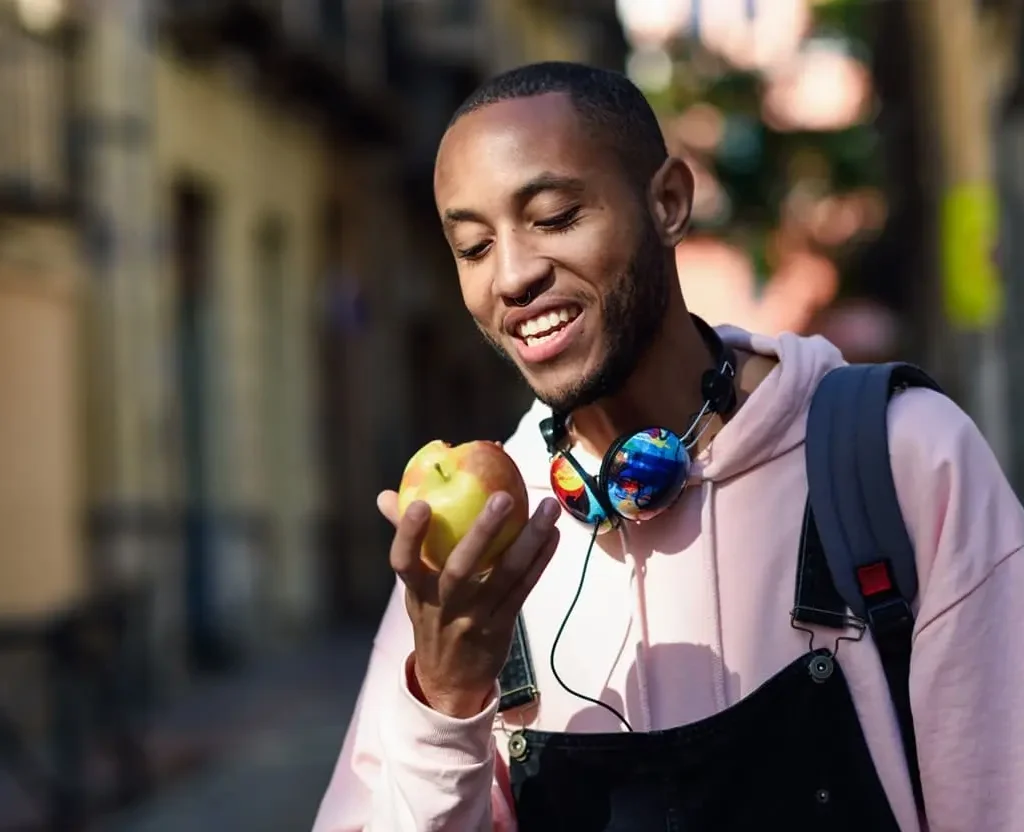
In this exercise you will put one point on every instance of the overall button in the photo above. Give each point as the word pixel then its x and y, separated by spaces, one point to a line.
pixel 821 667
pixel 822 796
pixel 517 746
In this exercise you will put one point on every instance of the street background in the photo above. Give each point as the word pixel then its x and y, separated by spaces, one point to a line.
pixel 228 317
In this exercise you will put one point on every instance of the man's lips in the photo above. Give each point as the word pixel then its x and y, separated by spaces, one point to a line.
pixel 540 317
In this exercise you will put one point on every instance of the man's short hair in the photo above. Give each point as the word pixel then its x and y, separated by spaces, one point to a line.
pixel 607 101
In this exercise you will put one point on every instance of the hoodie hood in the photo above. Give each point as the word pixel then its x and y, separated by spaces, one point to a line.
pixel 771 422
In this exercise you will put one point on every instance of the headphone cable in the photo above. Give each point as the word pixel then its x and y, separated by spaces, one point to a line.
pixel 561 629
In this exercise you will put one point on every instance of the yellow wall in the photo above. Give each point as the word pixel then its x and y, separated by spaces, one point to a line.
pixel 41 568
pixel 255 158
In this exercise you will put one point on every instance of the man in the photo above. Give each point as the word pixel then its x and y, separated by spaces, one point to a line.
pixel 673 696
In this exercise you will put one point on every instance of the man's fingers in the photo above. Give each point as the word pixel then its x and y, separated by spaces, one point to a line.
pixel 387 504
pixel 407 542
pixel 512 566
pixel 464 560
pixel 512 600
pixel 516 571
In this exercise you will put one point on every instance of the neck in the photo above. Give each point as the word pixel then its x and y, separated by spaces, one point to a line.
pixel 664 389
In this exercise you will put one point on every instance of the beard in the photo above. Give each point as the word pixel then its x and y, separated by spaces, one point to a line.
pixel 634 310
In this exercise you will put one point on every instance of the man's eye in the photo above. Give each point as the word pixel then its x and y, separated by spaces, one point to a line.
pixel 471 253
pixel 560 222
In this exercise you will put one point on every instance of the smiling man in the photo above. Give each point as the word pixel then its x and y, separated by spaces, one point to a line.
pixel 673 691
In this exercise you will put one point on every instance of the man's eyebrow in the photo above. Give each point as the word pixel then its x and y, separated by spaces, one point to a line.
pixel 453 216
pixel 524 193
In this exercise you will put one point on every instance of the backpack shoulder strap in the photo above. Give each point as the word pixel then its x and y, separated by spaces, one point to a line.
pixel 851 488
pixel 853 500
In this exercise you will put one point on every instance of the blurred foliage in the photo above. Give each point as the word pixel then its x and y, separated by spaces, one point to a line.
pixel 759 167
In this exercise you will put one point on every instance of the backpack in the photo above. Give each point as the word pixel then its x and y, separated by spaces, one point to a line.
pixel 853 519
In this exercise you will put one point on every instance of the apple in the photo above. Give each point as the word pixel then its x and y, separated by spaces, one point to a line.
pixel 456 482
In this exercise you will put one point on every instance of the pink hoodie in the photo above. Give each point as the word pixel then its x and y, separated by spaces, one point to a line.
pixel 684 615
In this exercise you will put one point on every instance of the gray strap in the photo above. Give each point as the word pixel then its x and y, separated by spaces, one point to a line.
pixel 518 681
pixel 849 476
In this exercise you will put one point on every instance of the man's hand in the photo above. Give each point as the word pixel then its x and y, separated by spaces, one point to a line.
pixel 462 623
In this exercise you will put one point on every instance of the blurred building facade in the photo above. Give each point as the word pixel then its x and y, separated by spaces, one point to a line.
pixel 42 552
pixel 227 316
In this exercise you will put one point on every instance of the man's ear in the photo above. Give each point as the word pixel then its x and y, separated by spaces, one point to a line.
pixel 671 199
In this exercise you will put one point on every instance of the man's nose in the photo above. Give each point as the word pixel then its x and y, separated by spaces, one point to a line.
pixel 521 272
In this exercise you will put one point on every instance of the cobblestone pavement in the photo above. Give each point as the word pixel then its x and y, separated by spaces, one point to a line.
pixel 279 736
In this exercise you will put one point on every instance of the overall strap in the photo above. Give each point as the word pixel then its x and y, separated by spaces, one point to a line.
pixel 818 602
pixel 854 510
pixel 517 679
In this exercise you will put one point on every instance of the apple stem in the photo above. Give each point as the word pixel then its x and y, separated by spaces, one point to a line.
pixel 440 470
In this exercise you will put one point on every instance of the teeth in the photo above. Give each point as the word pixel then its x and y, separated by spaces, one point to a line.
pixel 544 323
pixel 532 341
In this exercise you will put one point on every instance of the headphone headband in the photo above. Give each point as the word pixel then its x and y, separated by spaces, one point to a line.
pixel 643 472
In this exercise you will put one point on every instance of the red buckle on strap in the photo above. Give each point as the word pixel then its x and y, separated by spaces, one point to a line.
pixel 874 579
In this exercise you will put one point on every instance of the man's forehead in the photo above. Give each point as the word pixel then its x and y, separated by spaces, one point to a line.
pixel 541 132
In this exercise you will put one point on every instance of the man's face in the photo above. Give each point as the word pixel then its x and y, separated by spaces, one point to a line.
pixel 559 262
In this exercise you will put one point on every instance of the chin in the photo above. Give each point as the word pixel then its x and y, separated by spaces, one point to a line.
pixel 560 389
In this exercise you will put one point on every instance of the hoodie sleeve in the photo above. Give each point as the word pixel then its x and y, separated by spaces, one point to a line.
pixel 967 669
pixel 405 767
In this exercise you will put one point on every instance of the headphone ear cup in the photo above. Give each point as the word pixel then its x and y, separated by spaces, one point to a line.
pixel 644 472
pixel 577 495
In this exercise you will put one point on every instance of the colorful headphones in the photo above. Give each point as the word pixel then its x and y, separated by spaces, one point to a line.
pixel 643 472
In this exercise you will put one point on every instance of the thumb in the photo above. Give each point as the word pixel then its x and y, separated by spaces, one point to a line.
pixel 387 504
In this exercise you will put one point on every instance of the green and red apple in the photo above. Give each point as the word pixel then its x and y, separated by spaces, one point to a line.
pixel 456 481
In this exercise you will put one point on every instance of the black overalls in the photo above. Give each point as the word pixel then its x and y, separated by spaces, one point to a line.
pixel 790 756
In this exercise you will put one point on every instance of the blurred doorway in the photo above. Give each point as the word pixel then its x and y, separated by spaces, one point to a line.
pixel 271 267
pixel 335 348
pixel 193 220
